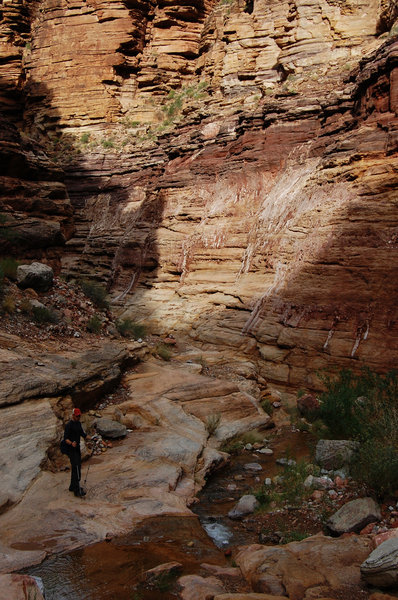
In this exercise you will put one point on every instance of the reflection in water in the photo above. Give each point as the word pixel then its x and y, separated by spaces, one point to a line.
pixel 114 570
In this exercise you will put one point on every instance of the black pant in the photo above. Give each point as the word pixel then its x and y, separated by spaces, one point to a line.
pixel 76 471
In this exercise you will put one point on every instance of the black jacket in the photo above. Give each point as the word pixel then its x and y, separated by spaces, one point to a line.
pixel 74 431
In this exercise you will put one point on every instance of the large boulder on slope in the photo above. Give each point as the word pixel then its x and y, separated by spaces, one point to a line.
pixel 110 429
pixel 354 516
pixel 36 276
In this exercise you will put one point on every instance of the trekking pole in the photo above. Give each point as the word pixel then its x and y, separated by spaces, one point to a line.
pixel 88 468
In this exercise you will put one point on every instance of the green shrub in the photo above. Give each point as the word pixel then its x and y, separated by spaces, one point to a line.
pixel 127 328
pixel 165 581
pixel 292 488
pixel 264 496
pixel 96 292
pixel 26 306
pixel 43 315
pixel 354 406
pixel 94 324
pixel 163 351
pixel 236 444
pixel 233 446
pixel 267 407
pixel 293 536
pixel 364 407
pixel 377 466
pixel 9 267
pixel 8 305
pixel 212 422
pixel 108 143
pixel 85 138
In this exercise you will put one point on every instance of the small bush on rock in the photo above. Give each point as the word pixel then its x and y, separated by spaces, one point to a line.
pixel 96 292
pixel 8 305
pixel 212 422
pixel 43 315
pixel 94 324
pixel 163 351
pixel 9 267
pixel 127 328
pixel 25 306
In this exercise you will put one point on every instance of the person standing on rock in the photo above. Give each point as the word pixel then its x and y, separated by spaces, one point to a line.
pixel 72 434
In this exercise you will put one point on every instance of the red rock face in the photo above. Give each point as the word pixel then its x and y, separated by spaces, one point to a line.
pixel 263 216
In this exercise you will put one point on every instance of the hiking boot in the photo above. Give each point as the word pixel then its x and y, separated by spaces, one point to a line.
pixel 80 493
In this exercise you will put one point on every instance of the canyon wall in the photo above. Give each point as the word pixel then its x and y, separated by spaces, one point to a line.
pixel 232 169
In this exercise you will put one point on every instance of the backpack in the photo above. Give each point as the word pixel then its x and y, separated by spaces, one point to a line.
pixel 64 447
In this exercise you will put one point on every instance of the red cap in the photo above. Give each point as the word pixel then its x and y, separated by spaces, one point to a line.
pixel 77 412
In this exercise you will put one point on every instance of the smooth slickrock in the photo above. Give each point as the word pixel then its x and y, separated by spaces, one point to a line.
pixel 354 515
pixel 318 564
pixel 381 567
pixel 26 432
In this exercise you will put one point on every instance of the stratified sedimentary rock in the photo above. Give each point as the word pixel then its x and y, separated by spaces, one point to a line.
pixel 380 568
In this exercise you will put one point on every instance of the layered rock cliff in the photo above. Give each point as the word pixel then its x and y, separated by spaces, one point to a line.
pixel 232 168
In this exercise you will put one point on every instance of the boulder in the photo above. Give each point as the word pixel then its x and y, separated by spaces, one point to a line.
pixel 195 587
pixel 36 276
pixel 334 454
pixel 381 566
pixel 110 429
pixel 354 515
pixel 318 563
pixel 246 505
pixel 166 569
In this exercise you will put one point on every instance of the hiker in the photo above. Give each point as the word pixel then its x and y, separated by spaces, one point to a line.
pixel 73 433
